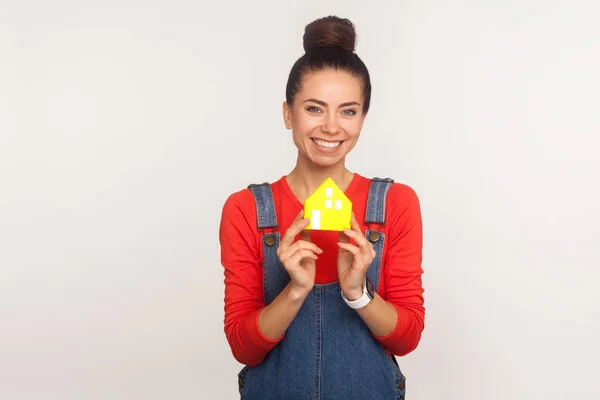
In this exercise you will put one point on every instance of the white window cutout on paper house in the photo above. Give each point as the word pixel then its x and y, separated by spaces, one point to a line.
pixel 329 192
pixel 328 203
pixel 338 204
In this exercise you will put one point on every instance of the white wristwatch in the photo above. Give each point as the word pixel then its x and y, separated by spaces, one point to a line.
pixel 366 298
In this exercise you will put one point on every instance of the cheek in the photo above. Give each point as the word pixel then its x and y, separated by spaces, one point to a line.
pixel 352 126
pixel 306 124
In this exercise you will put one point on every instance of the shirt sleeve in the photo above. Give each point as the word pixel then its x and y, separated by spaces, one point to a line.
pixel 241 260
pixel 402 270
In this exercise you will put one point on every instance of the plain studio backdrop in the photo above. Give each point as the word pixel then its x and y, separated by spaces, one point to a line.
pixel 124 126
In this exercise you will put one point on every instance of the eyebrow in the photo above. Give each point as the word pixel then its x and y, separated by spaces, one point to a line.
pixel 349 103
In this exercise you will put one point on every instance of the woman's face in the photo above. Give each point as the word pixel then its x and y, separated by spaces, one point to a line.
pixel 326 117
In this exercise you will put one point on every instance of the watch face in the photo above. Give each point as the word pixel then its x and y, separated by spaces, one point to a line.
pixel 370 289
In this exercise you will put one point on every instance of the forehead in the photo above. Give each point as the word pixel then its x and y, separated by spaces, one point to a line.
pixel 331 86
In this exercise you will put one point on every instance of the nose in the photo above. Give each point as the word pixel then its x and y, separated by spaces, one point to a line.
pixel 331 125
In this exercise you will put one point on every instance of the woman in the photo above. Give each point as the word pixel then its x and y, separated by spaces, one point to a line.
pixel 321 314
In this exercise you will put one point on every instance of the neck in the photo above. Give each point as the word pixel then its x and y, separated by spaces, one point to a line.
pixel 306 177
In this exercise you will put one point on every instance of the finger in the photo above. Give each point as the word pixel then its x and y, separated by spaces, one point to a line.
pixel 353 235
pixel 354 251
pixel 360 239
pixel 307 254
pixel 302 254
pixel 297 226
pixel 360 263
pixel 349 247
pixel 303 244
pixel 357 237
pixel 298 216
pixel 358 230
pixel 300 245
pixel 354 224
pixel 284 243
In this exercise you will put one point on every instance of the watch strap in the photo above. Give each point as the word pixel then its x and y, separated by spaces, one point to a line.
pixel 362 301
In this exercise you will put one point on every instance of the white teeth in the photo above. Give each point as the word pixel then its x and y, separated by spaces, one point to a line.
pixel 327 145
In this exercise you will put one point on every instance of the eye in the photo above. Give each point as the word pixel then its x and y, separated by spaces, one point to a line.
pixel 349 112
pixel 313 109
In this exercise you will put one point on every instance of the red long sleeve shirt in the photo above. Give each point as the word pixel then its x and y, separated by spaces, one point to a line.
pixel 241 256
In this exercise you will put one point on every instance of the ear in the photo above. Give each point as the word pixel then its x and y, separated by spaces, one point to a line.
pixel 287 115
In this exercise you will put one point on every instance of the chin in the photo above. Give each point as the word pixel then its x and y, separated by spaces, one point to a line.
pixel 323 161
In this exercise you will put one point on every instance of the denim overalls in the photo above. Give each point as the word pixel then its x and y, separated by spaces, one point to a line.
pixel 327 352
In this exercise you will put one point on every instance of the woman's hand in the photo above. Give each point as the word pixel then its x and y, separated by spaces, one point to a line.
pixel 353 261
pixel 299 257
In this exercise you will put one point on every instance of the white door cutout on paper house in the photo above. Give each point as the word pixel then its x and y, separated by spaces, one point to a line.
pixel 316 219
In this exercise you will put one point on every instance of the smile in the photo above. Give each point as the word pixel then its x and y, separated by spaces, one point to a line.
pixel 327 145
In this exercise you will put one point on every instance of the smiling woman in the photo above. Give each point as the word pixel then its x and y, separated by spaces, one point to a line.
pixel 323 314
pixel 326 115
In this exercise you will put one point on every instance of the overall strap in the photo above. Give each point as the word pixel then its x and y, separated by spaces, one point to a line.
pixel 376 215
pixel 265 206
pixel 376 201
pixel 274 276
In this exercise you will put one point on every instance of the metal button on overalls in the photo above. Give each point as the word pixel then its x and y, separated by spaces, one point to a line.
pixel 373 236
pixel 270 240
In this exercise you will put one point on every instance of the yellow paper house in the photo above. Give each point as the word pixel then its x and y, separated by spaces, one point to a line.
pixel 328 208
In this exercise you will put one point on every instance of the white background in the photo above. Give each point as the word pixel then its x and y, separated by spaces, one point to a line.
pixel 124 125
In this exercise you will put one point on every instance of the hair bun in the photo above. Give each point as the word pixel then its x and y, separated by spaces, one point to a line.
pixel 330 31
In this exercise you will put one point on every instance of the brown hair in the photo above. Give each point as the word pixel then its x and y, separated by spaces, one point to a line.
pixel 329 42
